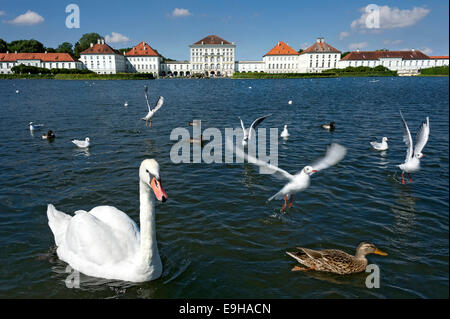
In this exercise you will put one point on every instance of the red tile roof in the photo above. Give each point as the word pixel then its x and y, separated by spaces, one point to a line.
pixel 375 55
pixel 44 57
pixel 102 48
pixel 212 39
pixel 142 49
pixel 439 57
pixel 282 49
pixel 321 47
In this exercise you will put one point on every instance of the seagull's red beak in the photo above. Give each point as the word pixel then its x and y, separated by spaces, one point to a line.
pixel 159 191
pixel 314 171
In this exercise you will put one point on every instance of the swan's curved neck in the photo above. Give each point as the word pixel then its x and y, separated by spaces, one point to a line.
pixel 149 247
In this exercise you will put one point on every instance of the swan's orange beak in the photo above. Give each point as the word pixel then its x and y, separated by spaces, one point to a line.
pixel 159 191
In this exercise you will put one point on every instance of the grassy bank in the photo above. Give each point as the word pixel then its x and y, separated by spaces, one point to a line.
pixel 89 76
pixel 436 71
pixel 118 76
pixel 364 71
pixel 257 75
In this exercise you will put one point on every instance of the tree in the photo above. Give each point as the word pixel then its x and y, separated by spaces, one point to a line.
pixel 65 47
pixel 26 46
pixel 344 54
pixel 300 51
pixel 84 43
pixel 50 50
pixel 382 50
pixel 124 50
pixel 3 46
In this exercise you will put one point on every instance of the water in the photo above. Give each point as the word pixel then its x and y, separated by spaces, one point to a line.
pixel 218 237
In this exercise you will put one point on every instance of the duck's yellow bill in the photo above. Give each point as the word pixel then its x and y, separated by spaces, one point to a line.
pixel 379 252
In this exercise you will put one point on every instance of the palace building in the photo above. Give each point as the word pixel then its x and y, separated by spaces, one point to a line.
pixel 319 57
pixel 41 60
pixel 408 62
pixel 212 55
pixel 281 59
pixel 103 59
pixel 143 59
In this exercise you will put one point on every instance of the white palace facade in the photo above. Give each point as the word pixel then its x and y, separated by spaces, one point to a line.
pixel 216 57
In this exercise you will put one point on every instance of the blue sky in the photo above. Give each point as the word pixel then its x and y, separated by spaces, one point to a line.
pixel 254 26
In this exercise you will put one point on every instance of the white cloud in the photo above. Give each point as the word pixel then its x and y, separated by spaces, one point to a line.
pixel 116 38
pixel 304 45
pixel 180 12
pixel 426 50
pixel 358 45
pixel 391 18
pixel 28 18
pixel 392 42
pixel 343 35
pixel 2 13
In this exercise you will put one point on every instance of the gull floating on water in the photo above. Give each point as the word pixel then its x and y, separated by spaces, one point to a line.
pixel 17 91
pixel 33 127
pixel 290 102
pixel 300 181
pixel 380 146
pixel 151 112
pixel 285 133
pixel 126 103
pixel 248 132
pixel 82 144
pixel 413 156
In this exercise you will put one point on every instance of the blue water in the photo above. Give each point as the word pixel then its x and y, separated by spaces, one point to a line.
pixel 217 235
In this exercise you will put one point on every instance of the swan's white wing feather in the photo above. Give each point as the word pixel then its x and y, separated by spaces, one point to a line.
pixel 407 139
pixel 422 136
pixel 159 104
pixel 277 172
pixel 91 240
pixel 335 153
pixel 255 123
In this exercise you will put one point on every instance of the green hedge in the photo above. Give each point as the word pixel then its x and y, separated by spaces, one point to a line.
pixel 260 75
pixel 364 71
pixel 438 70
pixel 26 69
pixel 94 76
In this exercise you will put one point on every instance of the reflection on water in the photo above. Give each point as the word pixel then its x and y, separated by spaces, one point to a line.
pixel 405 213
pixel 81 152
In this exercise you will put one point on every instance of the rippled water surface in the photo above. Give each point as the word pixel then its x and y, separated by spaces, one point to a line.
pixel 218 237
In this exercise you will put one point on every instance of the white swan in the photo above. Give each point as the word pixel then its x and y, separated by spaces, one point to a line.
pixel 105 242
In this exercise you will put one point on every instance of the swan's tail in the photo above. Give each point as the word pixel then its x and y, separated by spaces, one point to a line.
pixel 58 222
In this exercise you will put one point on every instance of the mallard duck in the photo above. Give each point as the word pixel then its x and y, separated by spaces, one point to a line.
pixel 333 260
pixel 329 127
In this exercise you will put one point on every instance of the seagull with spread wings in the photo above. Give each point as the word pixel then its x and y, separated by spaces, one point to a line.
pixel 151 112
pixel 300 181
pixel 248 132
pixel 413 155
